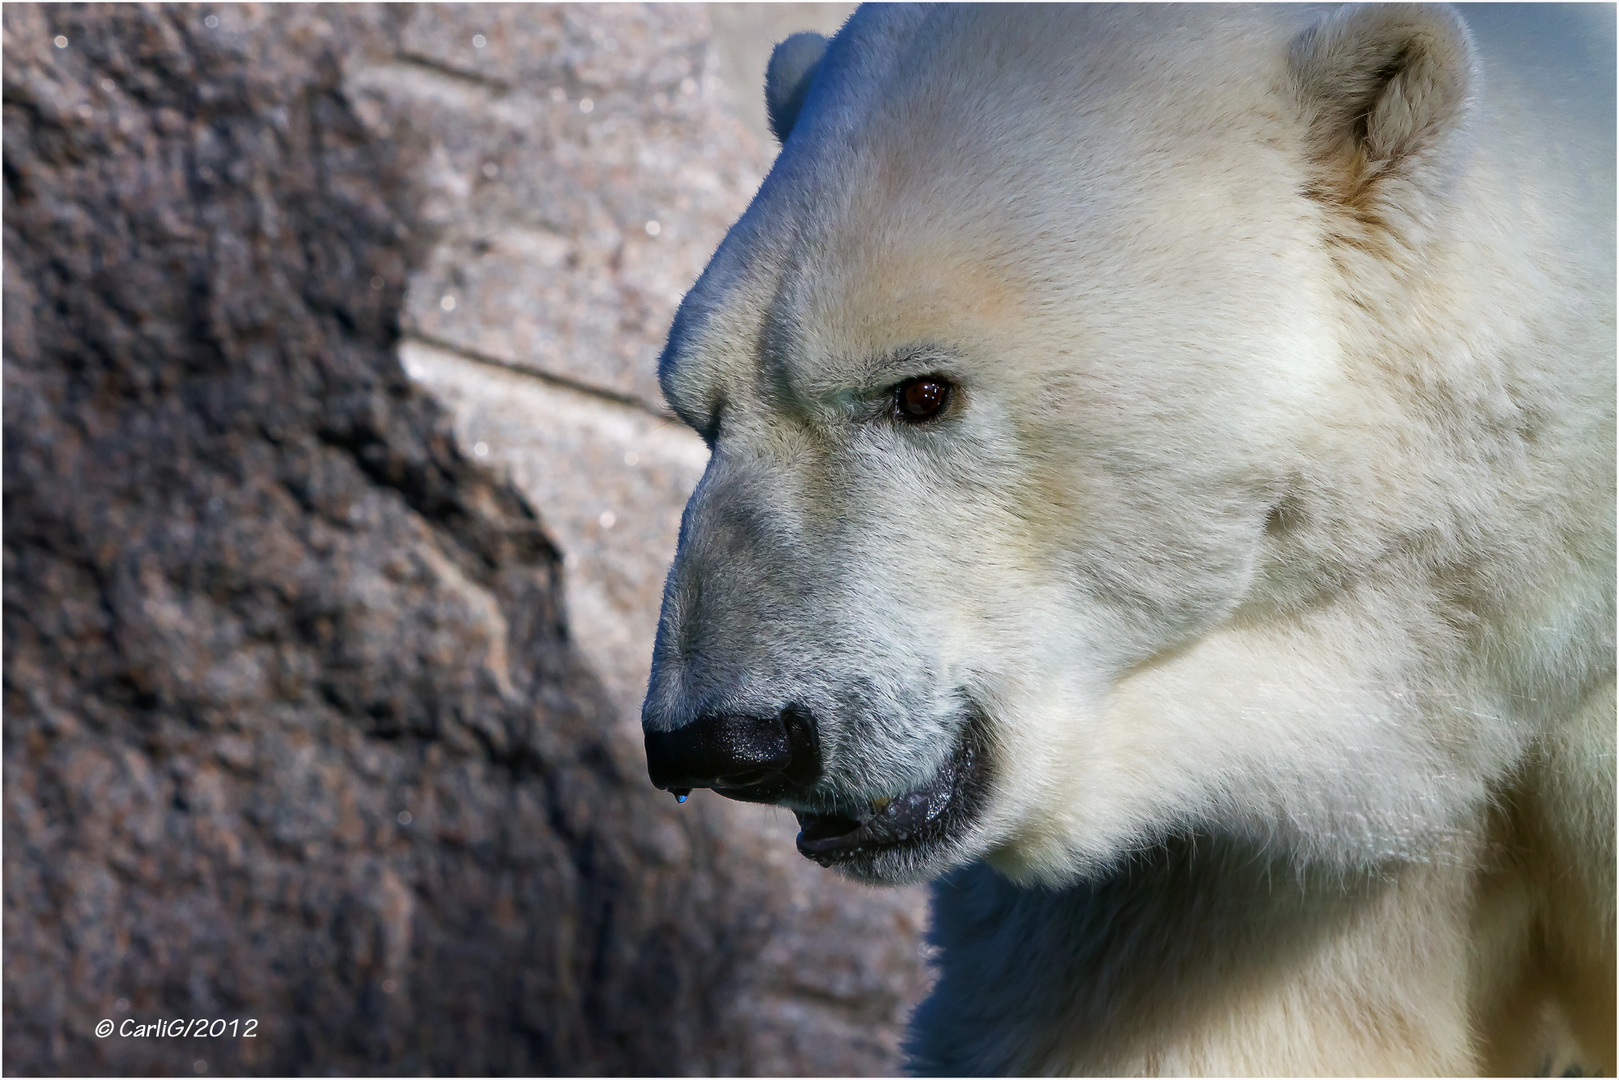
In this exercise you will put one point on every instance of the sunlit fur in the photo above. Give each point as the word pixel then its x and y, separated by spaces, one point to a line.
pixel 1271 525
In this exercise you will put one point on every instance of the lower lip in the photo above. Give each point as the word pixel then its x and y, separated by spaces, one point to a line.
pixel 925 816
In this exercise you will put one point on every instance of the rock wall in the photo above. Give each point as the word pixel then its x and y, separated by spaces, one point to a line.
pixel 296 728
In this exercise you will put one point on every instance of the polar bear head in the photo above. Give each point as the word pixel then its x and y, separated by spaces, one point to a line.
pixel 1046 449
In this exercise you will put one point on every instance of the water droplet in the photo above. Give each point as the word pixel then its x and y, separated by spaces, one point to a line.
pixel 211 22
pixel 479 41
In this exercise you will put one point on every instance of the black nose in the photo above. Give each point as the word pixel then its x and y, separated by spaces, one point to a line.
pixel 756 758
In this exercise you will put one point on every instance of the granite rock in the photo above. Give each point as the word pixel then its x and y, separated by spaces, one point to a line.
pixel 297 728
pixel 584 164
pixel 293 729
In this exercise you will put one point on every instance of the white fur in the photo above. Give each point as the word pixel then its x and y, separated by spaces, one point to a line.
pixel 1272 527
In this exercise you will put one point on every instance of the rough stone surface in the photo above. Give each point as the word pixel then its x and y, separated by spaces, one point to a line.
pixel 557 146
pixel 613 480
pixel 294 728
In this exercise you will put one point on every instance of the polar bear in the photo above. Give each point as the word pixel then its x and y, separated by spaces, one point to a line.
pixel 1162 488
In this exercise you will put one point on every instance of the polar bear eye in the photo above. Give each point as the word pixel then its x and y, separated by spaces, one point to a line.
pixel 920 400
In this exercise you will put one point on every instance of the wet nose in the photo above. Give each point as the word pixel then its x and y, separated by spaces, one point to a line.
pixel 750 757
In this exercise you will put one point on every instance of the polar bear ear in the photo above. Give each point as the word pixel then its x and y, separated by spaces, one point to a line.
pixel 1384 89
pixel 788 77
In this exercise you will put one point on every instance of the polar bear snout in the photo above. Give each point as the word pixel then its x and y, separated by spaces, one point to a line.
pixel 751 758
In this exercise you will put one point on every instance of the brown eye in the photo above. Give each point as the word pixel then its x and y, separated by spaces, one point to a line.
pixel 921 399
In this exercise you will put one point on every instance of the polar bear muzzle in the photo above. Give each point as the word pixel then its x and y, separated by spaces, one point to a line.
pixel 908 828
pixel 750 758
pixel 777 759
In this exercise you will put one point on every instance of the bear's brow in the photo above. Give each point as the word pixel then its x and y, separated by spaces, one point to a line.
pixel 883 369
pixel 859 375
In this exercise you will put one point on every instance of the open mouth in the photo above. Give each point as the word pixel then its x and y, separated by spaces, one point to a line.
pixel 922 818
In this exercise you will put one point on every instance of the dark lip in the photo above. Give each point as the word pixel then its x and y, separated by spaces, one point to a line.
pixel 923 818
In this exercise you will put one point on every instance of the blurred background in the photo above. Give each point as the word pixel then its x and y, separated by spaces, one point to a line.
pixel 338 498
